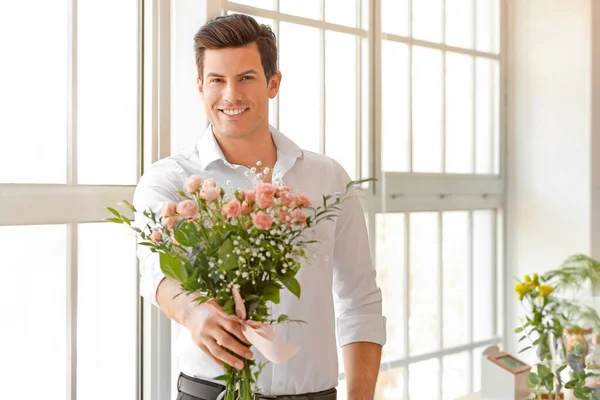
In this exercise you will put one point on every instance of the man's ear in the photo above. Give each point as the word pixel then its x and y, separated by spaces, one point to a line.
pixel 274 84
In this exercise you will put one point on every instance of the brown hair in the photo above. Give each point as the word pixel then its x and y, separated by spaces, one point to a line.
pixel 237 30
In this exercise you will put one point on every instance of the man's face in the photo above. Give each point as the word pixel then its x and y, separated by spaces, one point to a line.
pixel 235 91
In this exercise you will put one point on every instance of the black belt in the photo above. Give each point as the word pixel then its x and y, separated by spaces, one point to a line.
pixel 205 390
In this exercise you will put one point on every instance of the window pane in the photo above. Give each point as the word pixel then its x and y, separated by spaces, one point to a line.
pixel 483 253
pixel 459 113
pixel 106 324
pixel 484 129
pixel 423 287
pixel 305 8
pixel 390 275
pixel 459 23
pixel 427 109
pixel 455 381
pixel 427 20
pixel 477 358
pixel 423 380
pixel 496 113
pixel 455 249
pixel 299 98
pixel 341 100
pixel 488 25
pixel 34 334
pixel 342 12
pixel 33 98
pixel 266 4
pixel 395 88
pixel 107 92
pixel 390 384
pixel 395 18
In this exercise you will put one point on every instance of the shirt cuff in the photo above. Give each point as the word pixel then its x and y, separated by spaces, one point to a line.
pixel 361 328
pixel 151 278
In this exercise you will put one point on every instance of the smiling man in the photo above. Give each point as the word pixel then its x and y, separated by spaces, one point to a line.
pixel 237 75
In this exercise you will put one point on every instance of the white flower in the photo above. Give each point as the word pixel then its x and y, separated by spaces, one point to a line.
pixel 244 275
pixel 281 247
pixel 242 259
pixel 257 242
pixel 235 242
pixel 262 258
pixel 253 170
pixel 283 270
pixel 259 163
pixel 228 182
pixel 254 254
pixel 261 236
pixel 268 254
pixel 272 243
pixel 222 276
pixel 220 262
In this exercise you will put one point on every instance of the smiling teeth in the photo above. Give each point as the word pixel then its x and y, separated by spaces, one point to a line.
pixel 234 112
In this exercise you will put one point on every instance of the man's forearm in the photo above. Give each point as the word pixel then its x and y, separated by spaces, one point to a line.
pixel 175 308
pixel 361 366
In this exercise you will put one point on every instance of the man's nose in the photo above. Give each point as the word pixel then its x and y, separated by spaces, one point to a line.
pixel 232 93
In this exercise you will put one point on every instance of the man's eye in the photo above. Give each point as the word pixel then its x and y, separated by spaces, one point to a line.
pixel 247 78
pixel 216 80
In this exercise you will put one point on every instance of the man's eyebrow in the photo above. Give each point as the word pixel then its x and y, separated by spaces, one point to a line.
pixel 248 72
pixel 214 74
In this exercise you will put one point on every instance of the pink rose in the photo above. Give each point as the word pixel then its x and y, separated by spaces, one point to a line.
pixel 249 196
pixel 209 183
pixel 169 222
pixel 245 208
pixel 262 220
pixel 240 195
pixel 232 209
pixel 168 210
pixel 265 189
pixel 264 200
pixel 209 193
pixel 156 236
pixel 193 183
pixel 298 217
pixel 187 208
pixel 302 201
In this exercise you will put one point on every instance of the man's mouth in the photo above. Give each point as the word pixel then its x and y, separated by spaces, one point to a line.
pixel 232 111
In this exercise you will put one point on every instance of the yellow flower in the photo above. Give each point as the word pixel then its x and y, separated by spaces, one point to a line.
pixel 527 278
pixel 529 285
pixel 521 289
pixel 545 290
pixel 536 279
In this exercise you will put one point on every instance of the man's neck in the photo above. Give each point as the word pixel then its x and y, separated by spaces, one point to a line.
pixel 248 151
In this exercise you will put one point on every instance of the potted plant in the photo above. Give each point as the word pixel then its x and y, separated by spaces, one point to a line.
pixel 555 326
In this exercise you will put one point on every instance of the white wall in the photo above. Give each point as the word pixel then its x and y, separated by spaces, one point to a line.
pixel 549 174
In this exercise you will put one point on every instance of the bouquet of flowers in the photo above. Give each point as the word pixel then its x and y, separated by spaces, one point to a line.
pixel 235 252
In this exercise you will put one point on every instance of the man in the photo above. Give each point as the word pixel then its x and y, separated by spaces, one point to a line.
pixel 237 75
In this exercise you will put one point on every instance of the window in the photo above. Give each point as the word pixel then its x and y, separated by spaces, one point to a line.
pixel 68 148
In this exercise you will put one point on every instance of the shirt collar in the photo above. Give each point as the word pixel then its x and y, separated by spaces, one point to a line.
pixel 209 150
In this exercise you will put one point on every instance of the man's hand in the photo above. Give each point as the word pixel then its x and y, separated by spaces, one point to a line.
pixel 212 332
pixel 361 366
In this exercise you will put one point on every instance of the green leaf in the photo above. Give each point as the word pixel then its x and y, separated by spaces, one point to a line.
pixel 525 349
pixel 543 371
pixel 291 283
pixel 129 205
pixel 532 380
pixel 115 220
pixel 522 338
pixel 173 268
pixel 114 212
pixel 271 293
pixel 224 377
pixel 135 228
pixel 519 329
pixel 126 220
pixel 230 260
pixel 187 234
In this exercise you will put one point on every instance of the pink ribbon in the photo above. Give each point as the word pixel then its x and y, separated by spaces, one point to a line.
pixel 258 334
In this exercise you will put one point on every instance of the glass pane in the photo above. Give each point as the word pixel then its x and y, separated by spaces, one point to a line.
pixel 395 18
pixel 33 98
pixel 483 253
pixel 106 358
pixel 459 113
pixel 460 23
pixel 341 101
pixel 427 20
pixel 34 334
pixel 266 4
pixel 366 153
pixel 484 85
pixel 496 113
pixel 455 250
pixel 395 107
pixel 342 12
pixel 488 26
pixel 107 92
pixel 390 275
pixel 305 8
pixel 390 384
pixel 427 109
pixel 423 380
pixel 423 286
pixel 299 97
pixel 455 381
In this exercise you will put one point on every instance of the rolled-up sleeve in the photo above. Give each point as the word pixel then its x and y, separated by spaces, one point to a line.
pixel 156 187
pixel 357 297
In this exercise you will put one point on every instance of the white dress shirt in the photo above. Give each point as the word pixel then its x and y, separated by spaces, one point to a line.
pixel 338 281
